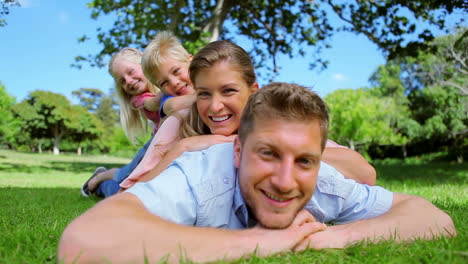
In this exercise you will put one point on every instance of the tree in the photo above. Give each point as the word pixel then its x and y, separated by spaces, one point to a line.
pixel 45 115
pixel 8 125
pixel 90 98
pixel 360 118
pixel 274 27
pixel 84 126
pixel 432 88
pixel 5 6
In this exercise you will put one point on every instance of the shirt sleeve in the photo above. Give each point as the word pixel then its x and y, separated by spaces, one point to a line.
pixel 365 202
pixel 344 200
pixel 161 198
pixel 161 105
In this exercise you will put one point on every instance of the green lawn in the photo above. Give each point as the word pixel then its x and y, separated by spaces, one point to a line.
pixel 39 196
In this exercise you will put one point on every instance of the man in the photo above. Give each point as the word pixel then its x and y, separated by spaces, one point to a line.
pixel 275 174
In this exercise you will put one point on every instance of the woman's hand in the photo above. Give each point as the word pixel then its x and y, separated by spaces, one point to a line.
pixel 196 143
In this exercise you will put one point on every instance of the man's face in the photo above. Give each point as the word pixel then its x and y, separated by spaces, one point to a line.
pixel 278 166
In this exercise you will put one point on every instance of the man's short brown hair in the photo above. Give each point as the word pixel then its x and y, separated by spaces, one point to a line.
pixel 285 101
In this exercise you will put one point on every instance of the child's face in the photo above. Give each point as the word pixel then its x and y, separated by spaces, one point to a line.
pixel 222 94
pixel 173 78
pixel 130 76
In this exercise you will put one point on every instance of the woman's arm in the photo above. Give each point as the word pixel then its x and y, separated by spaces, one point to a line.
pixel 350 163
pixel 161 142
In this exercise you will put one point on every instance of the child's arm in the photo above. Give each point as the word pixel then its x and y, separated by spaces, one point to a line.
pixel 152 103
pixel 178 103
pixel 349 162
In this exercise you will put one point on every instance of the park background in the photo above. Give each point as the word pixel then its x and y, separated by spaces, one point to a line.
pixel 395 77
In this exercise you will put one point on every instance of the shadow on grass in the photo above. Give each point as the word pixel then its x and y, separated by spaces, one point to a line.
pixel 75 167
pixel 425 174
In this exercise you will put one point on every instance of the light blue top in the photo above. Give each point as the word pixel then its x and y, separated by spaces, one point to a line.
pixel 201 189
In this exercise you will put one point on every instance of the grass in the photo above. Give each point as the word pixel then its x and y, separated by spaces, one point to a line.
pixel 39 196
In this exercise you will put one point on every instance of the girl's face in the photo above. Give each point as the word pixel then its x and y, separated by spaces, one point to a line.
pixel 221 97
pixel 130 76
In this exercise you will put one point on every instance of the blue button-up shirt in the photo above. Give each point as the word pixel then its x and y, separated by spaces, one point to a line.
pixel 201 189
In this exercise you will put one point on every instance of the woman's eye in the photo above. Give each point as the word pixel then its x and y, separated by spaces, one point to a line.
pixel 203 94
pixel 230 90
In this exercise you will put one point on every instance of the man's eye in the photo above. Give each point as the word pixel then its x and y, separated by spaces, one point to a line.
pixel 267 152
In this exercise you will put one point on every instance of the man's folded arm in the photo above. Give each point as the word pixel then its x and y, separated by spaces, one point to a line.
pixel 121 230
pixel 410 217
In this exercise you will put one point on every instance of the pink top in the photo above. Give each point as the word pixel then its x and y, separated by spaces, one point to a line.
pixel 164 139
pixel 138 102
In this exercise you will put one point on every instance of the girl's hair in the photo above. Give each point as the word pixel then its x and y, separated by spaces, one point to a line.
pixel 133 121
pixel 212 54
pixel 164 45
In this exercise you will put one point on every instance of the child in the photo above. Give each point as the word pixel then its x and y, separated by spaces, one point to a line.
pixel 138 99
pixel 165 63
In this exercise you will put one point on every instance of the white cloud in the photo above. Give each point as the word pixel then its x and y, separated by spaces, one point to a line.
pixel 339 77
pixel 29 3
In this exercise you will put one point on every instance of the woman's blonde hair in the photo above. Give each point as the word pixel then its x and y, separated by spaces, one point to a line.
pixel 207 57
pixel 133 121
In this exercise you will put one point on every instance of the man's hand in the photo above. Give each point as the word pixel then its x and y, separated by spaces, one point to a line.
pixel 284 240
pixel 337 236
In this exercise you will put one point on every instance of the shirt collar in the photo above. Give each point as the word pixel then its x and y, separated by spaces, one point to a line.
pixel 240 207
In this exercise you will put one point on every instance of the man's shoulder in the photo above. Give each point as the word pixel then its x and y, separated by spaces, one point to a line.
pixel 331 182
pixel 209 172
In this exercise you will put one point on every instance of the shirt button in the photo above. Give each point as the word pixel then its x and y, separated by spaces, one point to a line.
pixel 226 180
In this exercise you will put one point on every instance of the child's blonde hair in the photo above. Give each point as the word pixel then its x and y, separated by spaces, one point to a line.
pixel 164 45
pixel 133 121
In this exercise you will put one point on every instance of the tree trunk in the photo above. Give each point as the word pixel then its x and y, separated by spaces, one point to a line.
pixel 215 24
pixel 460 158
pixel 403 149
pixel 351 144
pixel 57 137
pixel 78 151
pixel 39 146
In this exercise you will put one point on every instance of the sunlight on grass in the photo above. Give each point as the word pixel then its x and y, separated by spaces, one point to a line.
pixel 39 196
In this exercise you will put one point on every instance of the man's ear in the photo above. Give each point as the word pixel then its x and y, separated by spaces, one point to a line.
pixel 254 87
pixel 237 152
pixel 190 57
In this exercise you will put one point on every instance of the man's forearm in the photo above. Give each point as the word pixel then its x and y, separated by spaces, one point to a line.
pixel 411 217
pixel 120 230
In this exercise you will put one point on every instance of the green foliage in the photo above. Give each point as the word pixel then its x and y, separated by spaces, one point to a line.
pixel 274 27
pixel 47 115
pixel 40 196
pixel 5 6
pixel 9 127
pixel 360 118
pixel 89 98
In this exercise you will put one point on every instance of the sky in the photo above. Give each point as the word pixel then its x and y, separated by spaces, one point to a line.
pixel 40 42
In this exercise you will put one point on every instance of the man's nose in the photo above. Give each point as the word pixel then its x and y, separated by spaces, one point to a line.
pixel 284 177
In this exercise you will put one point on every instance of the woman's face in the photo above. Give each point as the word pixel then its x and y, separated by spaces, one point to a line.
pixel 130 76
pixel 221 97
